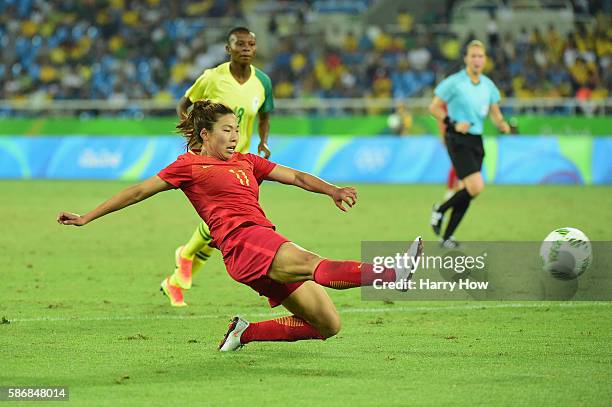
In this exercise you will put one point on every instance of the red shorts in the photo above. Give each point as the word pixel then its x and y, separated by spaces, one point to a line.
pixel 248 253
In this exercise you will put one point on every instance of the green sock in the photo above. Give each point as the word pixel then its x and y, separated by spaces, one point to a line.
pixel 197 248
pixel 201 258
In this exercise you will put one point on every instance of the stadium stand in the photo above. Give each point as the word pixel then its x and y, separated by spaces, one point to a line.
pixel 119 50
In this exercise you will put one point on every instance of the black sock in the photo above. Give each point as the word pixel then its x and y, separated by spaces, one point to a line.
pixel 460 198
pixel 456 216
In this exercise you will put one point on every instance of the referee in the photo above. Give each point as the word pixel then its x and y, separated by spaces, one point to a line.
pixel 469 96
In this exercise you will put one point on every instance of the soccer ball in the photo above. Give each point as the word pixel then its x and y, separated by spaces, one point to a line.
pixel 566 253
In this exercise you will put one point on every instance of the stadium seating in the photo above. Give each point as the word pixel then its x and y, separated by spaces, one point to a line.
pixel 154 49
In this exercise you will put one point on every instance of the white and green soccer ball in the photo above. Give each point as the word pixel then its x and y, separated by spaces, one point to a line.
pixel 566 253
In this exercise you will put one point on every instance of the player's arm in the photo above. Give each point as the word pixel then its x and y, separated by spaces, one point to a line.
pixel 182 107
pixel 289 176
pixel 264 131
pixel 128 196
pixel 498 119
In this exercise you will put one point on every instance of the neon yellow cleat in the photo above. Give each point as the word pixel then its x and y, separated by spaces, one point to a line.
pixel 182 274
pixel 173 292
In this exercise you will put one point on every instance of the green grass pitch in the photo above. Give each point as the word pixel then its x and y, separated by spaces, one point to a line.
pixel 85 310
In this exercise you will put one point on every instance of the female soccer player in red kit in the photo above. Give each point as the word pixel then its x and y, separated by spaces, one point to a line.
pixel 223 187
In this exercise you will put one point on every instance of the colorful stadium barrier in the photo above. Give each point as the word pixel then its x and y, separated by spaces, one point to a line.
pixel 384 159
pixel 351 125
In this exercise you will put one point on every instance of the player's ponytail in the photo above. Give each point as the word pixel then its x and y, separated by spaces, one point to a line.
pixel 203 115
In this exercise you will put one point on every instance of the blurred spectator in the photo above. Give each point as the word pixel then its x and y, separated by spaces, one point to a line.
pixel 400 121
pixel 405 21
pixel 493 33
pixel 129 49
pixel 105 49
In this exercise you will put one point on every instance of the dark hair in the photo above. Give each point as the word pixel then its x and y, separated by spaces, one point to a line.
pixel 204 115
pixel 238 30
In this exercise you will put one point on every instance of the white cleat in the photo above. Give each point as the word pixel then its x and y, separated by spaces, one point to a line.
pixel 437 218
pixel 404 274
pixel 450 243
pixel 231 341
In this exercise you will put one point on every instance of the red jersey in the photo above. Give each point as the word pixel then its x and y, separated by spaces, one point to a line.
pixel 224 193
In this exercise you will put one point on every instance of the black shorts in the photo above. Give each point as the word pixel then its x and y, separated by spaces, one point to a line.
pixel 465 151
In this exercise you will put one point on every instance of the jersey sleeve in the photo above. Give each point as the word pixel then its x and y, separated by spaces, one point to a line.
pixel 445 90
pixel 176 174
pixel 268 104
pixel 495 96
pixel 261 166
pixel 199 88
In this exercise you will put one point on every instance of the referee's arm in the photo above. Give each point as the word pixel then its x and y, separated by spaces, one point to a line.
pixel 436 108
pixel 498 119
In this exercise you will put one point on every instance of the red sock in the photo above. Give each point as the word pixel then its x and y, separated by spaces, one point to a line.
pixel 286 329
pixel 452 179
pixel 349 274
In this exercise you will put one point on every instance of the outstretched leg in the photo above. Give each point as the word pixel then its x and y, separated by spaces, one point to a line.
pixel 293 264
pixel 314 315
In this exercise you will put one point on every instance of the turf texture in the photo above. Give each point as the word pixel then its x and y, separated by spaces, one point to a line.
pixel 80 307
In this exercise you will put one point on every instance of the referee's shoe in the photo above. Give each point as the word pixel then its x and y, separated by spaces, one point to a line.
pixel 437 218
pixel 449 243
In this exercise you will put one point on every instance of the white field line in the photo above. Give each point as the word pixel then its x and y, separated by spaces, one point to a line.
pixel 378 310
